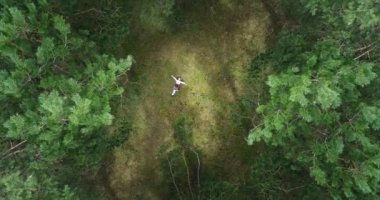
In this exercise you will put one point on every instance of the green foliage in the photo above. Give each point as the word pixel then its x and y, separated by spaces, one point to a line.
pixel 153 14
pixel 16 186
pixel 182 130
pixel 364 74
pixel 213 190
pixel 102 21
pixel 323 109
pixel 61 25
pixel 275 177
pixel 318 114
pixel 354 23
pixel 182 172
pixel 351 13
pixel 55 92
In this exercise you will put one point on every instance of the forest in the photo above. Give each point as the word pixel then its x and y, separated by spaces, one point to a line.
pixel 189 100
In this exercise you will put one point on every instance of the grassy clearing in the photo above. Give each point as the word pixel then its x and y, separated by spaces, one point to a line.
pixel 213 60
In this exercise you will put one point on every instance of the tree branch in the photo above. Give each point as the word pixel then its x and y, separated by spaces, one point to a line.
pixel 361 48
pixel 188 175
pixel 173 179
pixel 199 166
pixel 365 53
pixel 291 189
pixel 89 10
pixel 10 154
pixel 11 149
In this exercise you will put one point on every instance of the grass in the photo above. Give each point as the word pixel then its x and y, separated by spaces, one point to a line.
pixel 213 59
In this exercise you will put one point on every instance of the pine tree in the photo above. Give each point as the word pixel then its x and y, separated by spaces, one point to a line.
pixel 55 94
pixel 323 110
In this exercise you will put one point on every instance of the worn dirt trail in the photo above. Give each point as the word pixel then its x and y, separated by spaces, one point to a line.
pixel 212 59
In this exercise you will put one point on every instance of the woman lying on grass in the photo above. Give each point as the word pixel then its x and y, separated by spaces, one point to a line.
pixel 177 85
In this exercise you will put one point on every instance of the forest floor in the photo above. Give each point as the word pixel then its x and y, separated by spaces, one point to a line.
pixel 211 49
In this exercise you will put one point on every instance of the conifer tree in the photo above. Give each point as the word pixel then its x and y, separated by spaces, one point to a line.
pixel 55 93
pixel 323 109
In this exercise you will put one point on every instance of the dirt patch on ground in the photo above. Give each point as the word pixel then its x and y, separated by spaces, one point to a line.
pixel 212 59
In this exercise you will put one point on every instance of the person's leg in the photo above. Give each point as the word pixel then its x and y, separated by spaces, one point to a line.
pixel 174 89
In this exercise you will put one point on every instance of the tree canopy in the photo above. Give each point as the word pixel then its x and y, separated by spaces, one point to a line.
pixel 55 94
pixel 323 107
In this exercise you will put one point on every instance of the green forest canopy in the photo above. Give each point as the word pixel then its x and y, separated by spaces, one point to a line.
pixel 319 124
